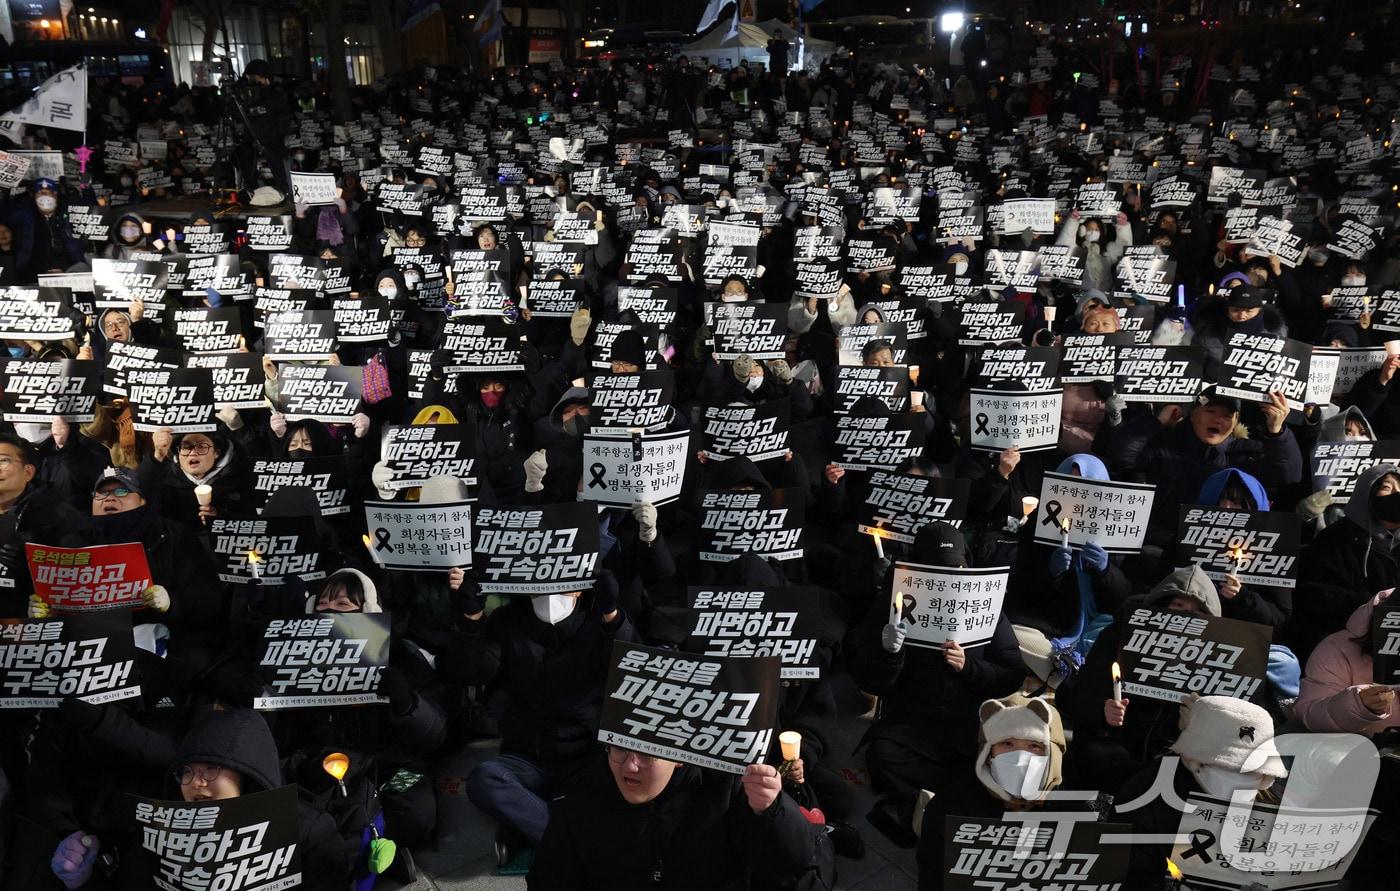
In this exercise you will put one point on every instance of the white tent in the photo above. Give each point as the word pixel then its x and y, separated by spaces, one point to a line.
pixel 717 47
pixel 814 51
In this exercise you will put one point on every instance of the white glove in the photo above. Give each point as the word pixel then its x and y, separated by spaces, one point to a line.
pixel 157 598
pixel 380 475
pixel 361 424
pixel 535 467
pixel 646 520
pixel 892 638
pixel 278 423
pixel 230 416
pixel 38 609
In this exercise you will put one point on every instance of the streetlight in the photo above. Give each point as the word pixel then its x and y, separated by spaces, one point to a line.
pixel 951 21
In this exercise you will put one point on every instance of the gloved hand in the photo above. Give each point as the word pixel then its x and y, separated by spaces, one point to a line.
pixel 579 323
pixel 781 370
pixel 38 609
pixel 82 717
pixel 646 520
pixel 469 599
pixel 1094 557
pixel 535 468
pixel 605 593
pixel 892 637
pixel 1113 410
pixel 1059 561
pixel 157 598
pixel 230 416
pixel 394 685
pixel 380 475
pixel 74 859
pixel 278 423
pixel 360 422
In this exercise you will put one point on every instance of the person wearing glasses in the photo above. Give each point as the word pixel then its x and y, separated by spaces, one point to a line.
pixel 212 459
pixel 680 827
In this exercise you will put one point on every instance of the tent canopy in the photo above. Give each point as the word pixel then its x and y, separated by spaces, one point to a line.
pixel 748 37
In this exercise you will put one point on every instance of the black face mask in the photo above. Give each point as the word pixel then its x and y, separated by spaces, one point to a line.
pixel 121 527
pixel 1386 508
pixel 298 454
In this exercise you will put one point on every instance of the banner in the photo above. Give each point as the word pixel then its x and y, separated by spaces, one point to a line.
pixel 37 392
pixel 415 454
pixel 237 378
pixel 1167 655
pixel 1002 419
pixel 417 536
pixel 180 399
pixel 636 469
pixel 1113 515
pixel 307 336
pixel 60 102
pixel 1033 369
pixel 888 384
pixel 1016 855
pixel 758 330
pixel 1157 374
pixel 314 188
pixel 768 524
pixel 940 604
pixel 323 660
pixel 208 330
pixel 757 623
pixel 92 657
pixel 756 432
pixel 988 321
pixel 898 505
pixel 36 314
pixel 266 550
pixel 326 393
pixel 1336 466
pixel 1260 548
pixel 626 401
pixel 248 843
pixel 1256 365
pixel 481 346
pixel 326 476
pixel 550 549
pixel 708 711
pixel 101 577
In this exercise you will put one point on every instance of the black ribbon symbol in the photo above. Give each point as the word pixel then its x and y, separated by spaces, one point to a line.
pixel 1052 515
pixel 982 425
pixel 1201 843
pixel 598 471
pixel 382 536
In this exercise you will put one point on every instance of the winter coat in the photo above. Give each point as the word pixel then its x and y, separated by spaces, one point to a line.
pixel 1329 700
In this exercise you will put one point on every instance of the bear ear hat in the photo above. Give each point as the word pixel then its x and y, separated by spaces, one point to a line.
pixel 1041 709
pixel 989 708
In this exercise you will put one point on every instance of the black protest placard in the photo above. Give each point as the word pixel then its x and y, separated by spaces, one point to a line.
pixel 1173 193
pixel 1158 374
pixel 708 711
pixel 266 550
pixel 871 442
pixel 627 401
pixel 1353 239
pixel 247 843
pixel 88 223
pixel 1061 263
pixel 651 305
pixel 1145 273
pixel 1227 181
pixel 1091 357
pixel 116 284
pixel 768 524
pixel 363 319
pixel 484 345
pixel 938 603
pixel 757 623
pixel 556 298
pixel 1077 510
pixel 122 358
pixel 957 224
pixel 549 549
pixel 326 476
pixel 1168 655
pixel 209 330
pixel 38 392
pixel 484 204
pixel 1336 466
pixel 605 334
pixel 1276 237
pixel 327 659
pixel 480 283
pixel 758 330
pixel 218 272
pixel 1012 269
pixel 206 238
pixel 268 233
pixel 850 346
pixel 988 321
pixel 898 505
pixel 870 253
pixel 641 468
pixel 819 277
pixel 1033 368
pixel 295 271
pixel 981 854
pixel 1002 419
pixel 91 657
pixel 756 432
pixel 1260 548
pixel 420 537
pixel 1256 365
pixel 326 393
pixel 548 257
pixel 724 260
pixel 1385 644
pixel 36 314
pixel 181 399
pixel 238 378
pixel 408 199
pixel 888 384
pixel 415 454
pixel 308 335
pixel 1137 321
pixel 648 258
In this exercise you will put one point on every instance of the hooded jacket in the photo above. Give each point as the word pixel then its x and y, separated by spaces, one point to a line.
pixel 1329 699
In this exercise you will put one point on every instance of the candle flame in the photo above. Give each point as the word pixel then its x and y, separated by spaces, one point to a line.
pixel 1064 525
pixel 365 539
pixel 254 558
pixel 1117 674
pixel 1173 870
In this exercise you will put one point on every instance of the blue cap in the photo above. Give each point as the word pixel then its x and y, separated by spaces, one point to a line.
pixel 42 184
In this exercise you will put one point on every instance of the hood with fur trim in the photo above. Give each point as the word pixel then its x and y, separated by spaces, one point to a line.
pixel 1017 717
pixel 371 601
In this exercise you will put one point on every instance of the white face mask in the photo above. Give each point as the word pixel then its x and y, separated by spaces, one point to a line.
pixel 1357 437
pixel 1221 782
pixel 129 233
pixel 1318 257
pixel 753 383
pixel 1020 773
pixel 960 267
pixel 1091 237
pixel 388 292
pixel 46 203
pixel 553 608
pixel 1348 281
pixel 733 298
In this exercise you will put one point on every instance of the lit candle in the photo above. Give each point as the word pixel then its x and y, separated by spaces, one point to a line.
pixel 369 547
pixel 1117 683
pixel 895 603
pixel 1241 560
pixel 1174 873
pixel 204 494
pixel 879 548
pixel 1064 532
pixel 336 764
pixel 791 743
pixel 1028 505
pixel 255 565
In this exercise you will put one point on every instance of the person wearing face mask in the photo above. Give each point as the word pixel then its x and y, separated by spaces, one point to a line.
pixel 1101 255
pixel 126 238
pixel 43 240
pixel 548 653
pixel 1225 750
pixel 1348 561
pixel 1022 747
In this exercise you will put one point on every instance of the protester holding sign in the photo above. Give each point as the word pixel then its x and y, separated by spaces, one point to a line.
pixel 1340 691
pixel 31 511
pixel 178 466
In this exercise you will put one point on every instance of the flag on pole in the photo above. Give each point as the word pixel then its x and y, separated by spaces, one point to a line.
pixel 711 15
pixel 418 11
pixel 489 22
pixel 61 101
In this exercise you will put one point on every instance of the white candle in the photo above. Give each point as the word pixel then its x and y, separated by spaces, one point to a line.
pixel 1117 683
pixel 204 494
pixel 1064 532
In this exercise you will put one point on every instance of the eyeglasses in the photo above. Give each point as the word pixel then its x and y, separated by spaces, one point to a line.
pixel 202 448
pixel 6 462
pixel 119 492
pixel 619 757
pixel 205 773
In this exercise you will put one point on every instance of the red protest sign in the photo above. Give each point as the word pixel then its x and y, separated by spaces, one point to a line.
pixel 89 579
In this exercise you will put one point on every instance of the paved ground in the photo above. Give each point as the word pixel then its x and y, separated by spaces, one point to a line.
pixel 464 858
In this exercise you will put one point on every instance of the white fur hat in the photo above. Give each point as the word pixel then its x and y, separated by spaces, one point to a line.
pixel 371 604
pixel 1229 733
